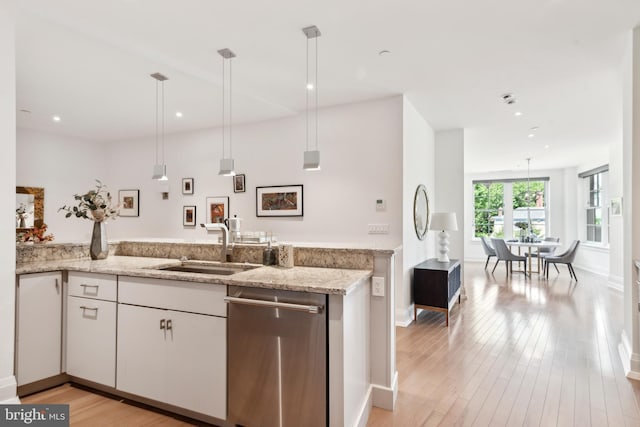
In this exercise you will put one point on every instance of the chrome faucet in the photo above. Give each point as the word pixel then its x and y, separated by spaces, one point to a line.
pixel 218 226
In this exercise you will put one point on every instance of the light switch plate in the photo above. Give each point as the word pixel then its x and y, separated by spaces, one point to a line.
pixel 377 286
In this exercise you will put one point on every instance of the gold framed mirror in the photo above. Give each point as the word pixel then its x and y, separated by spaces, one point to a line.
pixel 29 208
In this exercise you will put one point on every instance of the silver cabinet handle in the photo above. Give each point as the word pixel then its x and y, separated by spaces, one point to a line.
pixel 169 325
pixel 90 286
pixel 162 323
pixel 314 309
pixel 89 308
pixel 57 285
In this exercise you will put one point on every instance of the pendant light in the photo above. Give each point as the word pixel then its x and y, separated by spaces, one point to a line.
pixel 160 169
pixel 226 163
pixel 312 157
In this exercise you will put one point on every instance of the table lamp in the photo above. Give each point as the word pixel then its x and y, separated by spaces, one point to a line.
pixel 443 221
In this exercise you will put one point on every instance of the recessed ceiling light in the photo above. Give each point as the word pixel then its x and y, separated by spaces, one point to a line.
pixel 384 52
pixel 310 86
pixel 531 135
pixel 178 114
pixel 546 146
pixel 535 128
pixel 56 118
pixel 517 113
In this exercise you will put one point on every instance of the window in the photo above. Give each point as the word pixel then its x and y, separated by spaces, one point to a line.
pixel 488 202
pixel 529 207
pixel 595 212
pixel 501 204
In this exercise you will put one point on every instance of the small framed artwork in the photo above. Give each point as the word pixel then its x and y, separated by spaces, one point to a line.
pixel 616 206
pixel 217 209
pixel 129 201
pixel 187 185
pixel 238 183
pixel 280 200
pixel 189 216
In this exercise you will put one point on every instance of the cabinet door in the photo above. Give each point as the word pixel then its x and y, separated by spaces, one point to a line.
pixel 91 340
pixel 141 351
pixel 197 363
pixel 39 326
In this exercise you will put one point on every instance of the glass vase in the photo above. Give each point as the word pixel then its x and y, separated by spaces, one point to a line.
pixel 99 248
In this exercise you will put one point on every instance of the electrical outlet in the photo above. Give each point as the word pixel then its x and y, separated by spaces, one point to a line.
pixel 377 286
pixel 378 228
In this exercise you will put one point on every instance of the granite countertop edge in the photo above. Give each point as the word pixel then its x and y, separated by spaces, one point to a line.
pixel 332 281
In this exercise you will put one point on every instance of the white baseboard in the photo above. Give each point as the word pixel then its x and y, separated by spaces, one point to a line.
pixel 365 410
pixel 385 397
pixel 8 390
pixel 600 273
pixel 630 361
pixel 616 283
pixel 404 317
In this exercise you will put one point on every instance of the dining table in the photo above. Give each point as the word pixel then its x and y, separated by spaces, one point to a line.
pixel 538 244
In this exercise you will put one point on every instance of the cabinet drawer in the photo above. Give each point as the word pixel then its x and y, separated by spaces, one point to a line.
pixel 204 298
pixel 93 285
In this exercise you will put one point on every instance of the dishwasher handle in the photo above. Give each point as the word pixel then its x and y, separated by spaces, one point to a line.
pixel 314 309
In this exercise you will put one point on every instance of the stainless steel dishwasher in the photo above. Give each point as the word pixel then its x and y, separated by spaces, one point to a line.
pixel 277 358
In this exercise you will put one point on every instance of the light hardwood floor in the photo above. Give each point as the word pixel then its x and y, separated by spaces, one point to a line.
pixel 518 352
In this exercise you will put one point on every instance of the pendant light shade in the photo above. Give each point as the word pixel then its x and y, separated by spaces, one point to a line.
pixel 312 157
pixel 226 163
pixel 159 168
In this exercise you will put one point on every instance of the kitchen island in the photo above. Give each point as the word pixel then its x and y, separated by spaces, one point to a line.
pixel 352 390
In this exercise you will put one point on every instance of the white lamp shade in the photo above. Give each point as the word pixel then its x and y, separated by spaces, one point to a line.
pixel 160 172
pixel 443 221
pixel 311 161
pixel 227 167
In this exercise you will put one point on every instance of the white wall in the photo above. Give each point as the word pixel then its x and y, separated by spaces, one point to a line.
pixel 63 166
pixel 418 167
pixel 7 187
pixel 557 200
pixel 449 150
pixel 361 157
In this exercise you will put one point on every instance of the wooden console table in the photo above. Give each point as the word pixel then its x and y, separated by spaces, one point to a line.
pixel 436 285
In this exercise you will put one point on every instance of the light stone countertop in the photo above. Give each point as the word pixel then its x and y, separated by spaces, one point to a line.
pixel 303 279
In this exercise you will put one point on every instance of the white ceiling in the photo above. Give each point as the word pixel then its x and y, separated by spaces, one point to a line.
pixel 89 62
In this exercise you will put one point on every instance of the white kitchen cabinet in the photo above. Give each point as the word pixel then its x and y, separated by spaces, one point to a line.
pixel 39 326
pixel 175 357
pixel 91 340
pixel 91 327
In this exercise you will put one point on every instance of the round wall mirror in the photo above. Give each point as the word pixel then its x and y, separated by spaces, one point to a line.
pixel 421 211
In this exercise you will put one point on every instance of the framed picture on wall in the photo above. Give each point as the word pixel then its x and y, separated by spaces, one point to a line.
pixel 189 216
pixel 187 185
pixel 129 201
pixel 279 200
pixel 217 209
pixel 238 183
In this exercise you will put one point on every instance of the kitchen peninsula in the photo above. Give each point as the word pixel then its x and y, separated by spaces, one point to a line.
pixel 358 324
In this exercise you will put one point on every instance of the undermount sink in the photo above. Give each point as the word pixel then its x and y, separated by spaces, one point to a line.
pixel 218 269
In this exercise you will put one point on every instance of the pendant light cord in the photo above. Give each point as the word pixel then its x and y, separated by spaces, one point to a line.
pixel 157 120
pixel 163 123
pixel 223 116
pixel 307 100
pixel 317 90
pixel 230 108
